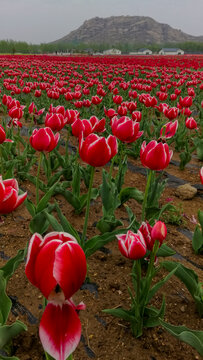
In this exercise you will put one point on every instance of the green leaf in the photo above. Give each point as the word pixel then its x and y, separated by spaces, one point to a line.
pixel 108 224
pixel 54 178
pixel 96 242
pixel 107 193
pixel 7 332
pixel 119 180
pixel 5 302
pixel 72 199
pixel 131 193
pixel 45 199
pixel 30 207
pixel 12 264
pixel 197 240
pixel 152 315
pixel 187 276
pixel 120 313
pixel 53 222
pixel 165 251
pixel 191 337
pixel 39 223
pixel 67 227
pixel 76 180
pixel 200 217
pixel 158 285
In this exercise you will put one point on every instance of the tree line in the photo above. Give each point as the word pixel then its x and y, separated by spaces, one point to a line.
pixel 22 47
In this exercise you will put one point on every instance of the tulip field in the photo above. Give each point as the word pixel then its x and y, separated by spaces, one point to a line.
pixel 101 207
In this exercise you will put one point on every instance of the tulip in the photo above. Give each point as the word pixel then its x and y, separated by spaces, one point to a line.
pixel 3 136
pixel 125 129
pixel 158 232
pixel 201 174
pixel 171 113
pixel 185 102
pixel 110 113
pixel 9 198
pixel 146 229
pixel 72 115
pixel 117 99
pixel 97 151
pixel 15 113
pixel 132 245
pixel 43 139
pixel 55 260
pixel 96 100
pixel 169 129
pixel 190 123
pixel 155 155
pixel 55 121
pixel 151 234
pixel 57 266
pixel 137 116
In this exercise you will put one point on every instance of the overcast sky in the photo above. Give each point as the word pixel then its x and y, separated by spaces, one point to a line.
pixel 37 21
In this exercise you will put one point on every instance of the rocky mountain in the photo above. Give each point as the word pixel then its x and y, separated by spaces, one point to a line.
pixel 130 29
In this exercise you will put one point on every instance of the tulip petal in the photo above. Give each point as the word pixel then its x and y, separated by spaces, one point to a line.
pixel 60 330
pixel 69 267
pixel 33 250
pixel 43 270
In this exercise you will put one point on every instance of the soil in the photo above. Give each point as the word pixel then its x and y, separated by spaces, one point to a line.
pixel 103 336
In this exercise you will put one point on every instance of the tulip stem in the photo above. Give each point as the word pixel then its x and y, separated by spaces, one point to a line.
pixel 138 271
pixel 149 177
pixel 37 180
pixel 2 166
pixel 87 207
pixel 66 148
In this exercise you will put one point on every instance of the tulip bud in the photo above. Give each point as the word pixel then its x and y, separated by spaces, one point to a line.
pixel 159 232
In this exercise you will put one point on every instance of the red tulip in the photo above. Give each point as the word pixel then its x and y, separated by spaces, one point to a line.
pixel 57 266
pixel 125 129
pixel 150 234
pixel 169 129
pixel 15 113
pixel 146 229
pixel 110 113
pixel 137 116
pixel 80 126
pixel 96 100
pixel 97 151
pixel 185 102
pixel 158 232
pixel 3 136
pixel 72 115
pixel 55 121
pixel 132 245
pixel 155 155
pixel 190 123
pixel 171 113
pixel 201 174
pixel 60 329
pixel 117 99
pixel 33 110
pixel 9 198
pixel 43 139
pixel 55 260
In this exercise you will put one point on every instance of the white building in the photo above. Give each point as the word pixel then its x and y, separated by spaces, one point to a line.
pixel 141 52
pixel 112 52
pixel 171 51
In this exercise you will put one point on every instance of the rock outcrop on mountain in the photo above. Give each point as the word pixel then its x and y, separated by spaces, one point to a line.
pixel 130 29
